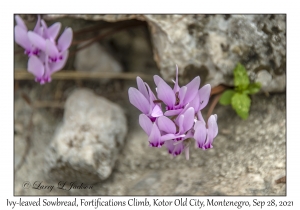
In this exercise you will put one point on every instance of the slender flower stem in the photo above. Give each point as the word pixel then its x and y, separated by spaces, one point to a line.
pixel 213 104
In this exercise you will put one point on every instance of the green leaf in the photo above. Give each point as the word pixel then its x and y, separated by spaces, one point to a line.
pixel 241 79
pixel 241 104
pixel 254 88
pixel 226 97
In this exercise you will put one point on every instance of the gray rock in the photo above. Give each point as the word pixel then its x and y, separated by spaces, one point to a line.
pixel 212 45
pixel 96 59
pixel 86 145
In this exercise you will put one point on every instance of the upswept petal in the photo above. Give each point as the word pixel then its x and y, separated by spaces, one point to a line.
pixel 20 22
pixel 157 79
pixel 53 31
pixel 51 49
pixel 137 99
pixel 142 87
pixel 38 29
pixel 56 66
pixel 35 66
pixel 192 90
pixel 179 122
pixel 195 103
pixel 212 130
pixel 155 137
pixel 65 40
pixel 200 134
pixel 204 94
pixel 182 93
pixel 156 112
pixel 173 112
pixel 21 38
pixel 188 120
pixel 165 93
pixel 166 125
pixel 37 40
pixel 145 123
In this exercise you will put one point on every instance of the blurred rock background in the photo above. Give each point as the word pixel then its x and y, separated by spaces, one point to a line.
pixel 248 155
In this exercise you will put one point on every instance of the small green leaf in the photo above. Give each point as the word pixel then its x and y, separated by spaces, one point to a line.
pixel 241 104
pixel 241 79
pixel 254 88
pixel 226 97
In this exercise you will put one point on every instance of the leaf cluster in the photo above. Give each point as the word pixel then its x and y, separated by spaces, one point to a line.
pixel 239 97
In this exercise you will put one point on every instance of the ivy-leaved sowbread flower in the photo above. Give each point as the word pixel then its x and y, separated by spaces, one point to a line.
pixel 46 56
pixel 174 117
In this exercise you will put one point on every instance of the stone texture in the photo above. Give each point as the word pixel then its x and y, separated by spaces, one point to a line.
pixel 96 59
pixel 87 143
pixel 248 155
pixel 211 45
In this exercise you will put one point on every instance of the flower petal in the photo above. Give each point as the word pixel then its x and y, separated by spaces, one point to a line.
pixel 188 120
pixel 56 66
pixel 168 137
pixel 157 79
pixel 142 87
pixel 195 103
pixel 204 94
pixel 200 134
pixel 35 66
pixel 181 95
pixel 174 149
pixel 165 93
pixel 173 112
pixel 65 40
pixel 51 50
pixel 37 40
pixel 179 122
pixel 156 112
pixel 21 38
pixel 137 99
pixel 154 138
pixel 53 31
pixel 145 123
pixel 166 125
pixel 20 22
pixel 212 130
pixel 38 29
pixel 192 90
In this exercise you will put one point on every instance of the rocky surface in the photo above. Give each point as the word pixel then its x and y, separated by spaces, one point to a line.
pixel 86 145
pixel 96 59
pixel 248 155
pixel 212 45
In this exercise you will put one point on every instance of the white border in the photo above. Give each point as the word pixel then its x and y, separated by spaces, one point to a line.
pixel 154 6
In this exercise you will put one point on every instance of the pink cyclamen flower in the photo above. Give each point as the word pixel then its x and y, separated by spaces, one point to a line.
pixel 205 134
pixel 21 36
pixel 178 97
pixel 45 55
pixel 156 139
pixel 182 119
pixel 143 99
